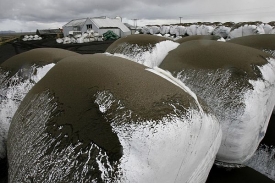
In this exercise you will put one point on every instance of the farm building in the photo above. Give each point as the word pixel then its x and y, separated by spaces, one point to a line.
pixel 132 28
pixel 97 24
pixel 49 32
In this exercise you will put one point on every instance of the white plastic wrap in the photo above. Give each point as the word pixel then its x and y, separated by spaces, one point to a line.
pixel 243 126
pixel 246 30
pixel 154 30
pixel 180 147
pixel 181 30
pixel 66 40
pixel 267 28
pixel 221 31
pixel 11 97
pixel 59 40
pixel 272 31
pixel 173 30
pixel 145 30
pixel 264 161
pixel 192 30
pixel 165 29
pixel 146 55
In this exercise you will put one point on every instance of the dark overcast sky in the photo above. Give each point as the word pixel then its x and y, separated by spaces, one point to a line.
pixel 29 15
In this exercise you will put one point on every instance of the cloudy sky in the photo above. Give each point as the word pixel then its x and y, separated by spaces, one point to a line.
pixel 29 15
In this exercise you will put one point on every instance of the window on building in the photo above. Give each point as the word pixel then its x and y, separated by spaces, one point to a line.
pixel 89 26
pixel 76 28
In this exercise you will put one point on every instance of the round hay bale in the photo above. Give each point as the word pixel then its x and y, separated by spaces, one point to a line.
pixel 261 42
pixel 104 118
pixel 148 50
pixel 234 81
pixel 197 37
pixel 17 76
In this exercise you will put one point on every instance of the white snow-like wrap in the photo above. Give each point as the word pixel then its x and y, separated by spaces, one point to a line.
pixel 154 30
pixel 254 120
pixel 12 96
pixel 169 159
pixel 165 29
pixel 145 30
pixel 192 30
pixel 244 120
pixel 246 30
pixel 155 151
pixel 205 30
pixel 263 161
pixel 221 39
pixel 272 31
pixel 267 28
pixel 221 31
pixel 168 76
pixel 151 58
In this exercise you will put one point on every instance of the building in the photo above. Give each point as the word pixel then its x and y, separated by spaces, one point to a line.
pixel 97 24
pixel 49 32
pixel 133 29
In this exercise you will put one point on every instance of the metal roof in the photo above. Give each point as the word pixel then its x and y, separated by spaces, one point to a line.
pixel 109 23
pixel 49 31
pixel 132 27
pixel 76 22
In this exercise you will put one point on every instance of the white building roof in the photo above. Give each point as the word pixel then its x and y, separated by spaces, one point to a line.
pixel 109 23
pixel 76 22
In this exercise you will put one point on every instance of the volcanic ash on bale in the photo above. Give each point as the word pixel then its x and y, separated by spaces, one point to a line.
pixel 106 119
pixel 237 82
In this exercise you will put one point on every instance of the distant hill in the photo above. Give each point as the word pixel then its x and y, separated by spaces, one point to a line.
pixel 7 32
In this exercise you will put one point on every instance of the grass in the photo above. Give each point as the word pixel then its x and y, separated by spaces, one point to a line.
pixel 6 38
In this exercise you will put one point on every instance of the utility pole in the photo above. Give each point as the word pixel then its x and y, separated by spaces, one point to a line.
pixel 180 20
pixel 135 24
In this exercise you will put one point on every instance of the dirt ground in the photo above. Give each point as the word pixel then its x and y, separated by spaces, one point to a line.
pixel 17 46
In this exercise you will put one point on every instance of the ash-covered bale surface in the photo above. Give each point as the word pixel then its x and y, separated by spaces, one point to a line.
pixel 240 24
pixel 98 118
pixel 208 54
pixel 39 57
pixel 197 37
pixel 237 82
pixel 17 76
pixel 148 50
pixel 263 41
pixel 141 40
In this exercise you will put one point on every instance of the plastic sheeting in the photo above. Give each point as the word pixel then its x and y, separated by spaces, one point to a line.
pixel 204 30
pixel 243 109
pixel 192 30
pixel 165 29
pixel 246 30
pixel 172 142
pixel 154 30
pixel 221 31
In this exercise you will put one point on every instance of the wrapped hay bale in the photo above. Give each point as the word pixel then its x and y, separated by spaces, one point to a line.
pixel 18 75
pixel 67 40
pixel 121 123
pixel 59 40
pixel 192 30
pixel 145 30
pixel 236 82
pixel 245 30
pixel 148 50
pixel 154 30
pixel 221 31
pixel 164 29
